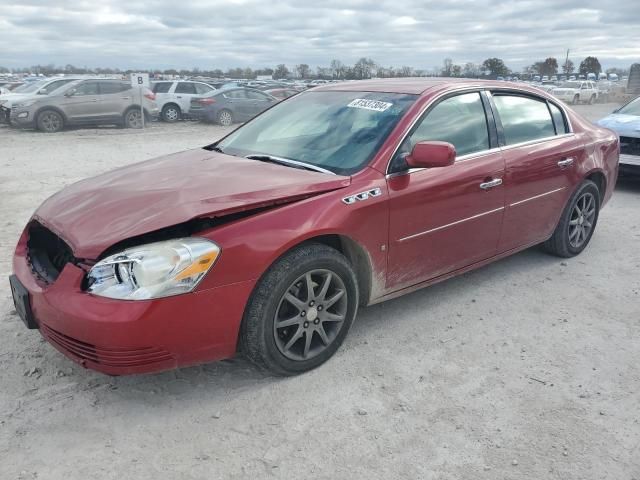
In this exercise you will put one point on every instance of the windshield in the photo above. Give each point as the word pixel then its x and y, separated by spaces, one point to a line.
pixel 571 85
pixel 631 108
pixel 29 87
pixel 337 131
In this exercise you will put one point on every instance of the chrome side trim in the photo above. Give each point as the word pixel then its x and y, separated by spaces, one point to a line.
pixel 351 199
pixel 463 158
pixel 536 196
pixel 450 224
pixel 536 141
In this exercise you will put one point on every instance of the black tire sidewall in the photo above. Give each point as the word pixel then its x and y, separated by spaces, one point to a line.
pixel 260 314
pixel 563 226
pixel 126 118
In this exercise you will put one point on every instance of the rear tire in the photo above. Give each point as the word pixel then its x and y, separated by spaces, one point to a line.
pixel 592 99
pixel 133 118
pixel 577 223
pixel 50 121
pixel 300 311
pixel 225 118
pixel 171 113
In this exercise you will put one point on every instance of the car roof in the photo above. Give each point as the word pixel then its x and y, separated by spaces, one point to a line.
pixel 417 86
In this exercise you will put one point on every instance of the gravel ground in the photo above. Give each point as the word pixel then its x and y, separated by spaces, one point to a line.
pixel 526 369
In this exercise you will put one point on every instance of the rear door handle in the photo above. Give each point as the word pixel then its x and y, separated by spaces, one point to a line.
pixel 491 183
pixel 565 162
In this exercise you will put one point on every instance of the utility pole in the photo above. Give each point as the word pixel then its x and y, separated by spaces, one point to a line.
pixel 566 63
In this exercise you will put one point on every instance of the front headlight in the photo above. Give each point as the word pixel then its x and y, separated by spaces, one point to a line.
pixel 26 103
pixel 154 270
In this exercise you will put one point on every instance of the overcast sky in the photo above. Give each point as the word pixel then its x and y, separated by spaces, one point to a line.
pixel 259 33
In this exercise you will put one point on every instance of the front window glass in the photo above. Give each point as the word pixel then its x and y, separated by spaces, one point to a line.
pixel 458 120
pixel 523 119
pixel 337 131
pixel 161 87
pixel 632 108
pixel 186 87
pixel 87 88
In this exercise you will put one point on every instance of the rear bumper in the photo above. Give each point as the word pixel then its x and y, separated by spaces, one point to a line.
pixel 126 337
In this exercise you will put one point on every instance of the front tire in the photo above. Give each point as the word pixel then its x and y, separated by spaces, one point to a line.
pixel 300 311
pixel 576 100
pixel 577 223
pixel 50 121
pixel 592 99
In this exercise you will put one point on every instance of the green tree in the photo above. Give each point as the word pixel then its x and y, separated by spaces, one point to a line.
pixel 590 65
pixel 494 67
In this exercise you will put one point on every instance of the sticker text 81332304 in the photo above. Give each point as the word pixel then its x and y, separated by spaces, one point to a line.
pixel 374 105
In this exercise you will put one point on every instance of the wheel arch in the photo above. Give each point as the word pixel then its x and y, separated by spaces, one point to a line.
pixel 170 104
pixel 55 109
pixel 598 177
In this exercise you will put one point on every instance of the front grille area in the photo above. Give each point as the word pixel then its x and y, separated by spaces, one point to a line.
pixel 630 145
pixel 47 253
pixel 111 357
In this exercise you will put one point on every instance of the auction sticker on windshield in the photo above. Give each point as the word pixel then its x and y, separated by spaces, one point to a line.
pixel 370 104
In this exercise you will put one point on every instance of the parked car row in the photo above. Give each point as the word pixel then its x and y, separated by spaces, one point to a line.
pixel 51 105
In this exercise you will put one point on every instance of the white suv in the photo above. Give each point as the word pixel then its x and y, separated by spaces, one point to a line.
pixel 576 91
pixel 174 97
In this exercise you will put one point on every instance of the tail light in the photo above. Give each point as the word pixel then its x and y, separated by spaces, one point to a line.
pixel 150 95
pixel 207 101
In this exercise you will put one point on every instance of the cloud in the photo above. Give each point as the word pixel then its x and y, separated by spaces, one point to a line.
pixel 221 34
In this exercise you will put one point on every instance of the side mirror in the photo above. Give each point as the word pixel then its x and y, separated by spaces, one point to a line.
pixel 431 154
pixel 70 92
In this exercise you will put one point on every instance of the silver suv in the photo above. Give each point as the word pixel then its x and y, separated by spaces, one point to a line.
pixel 91 101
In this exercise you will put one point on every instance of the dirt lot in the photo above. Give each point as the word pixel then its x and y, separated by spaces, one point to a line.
pixel 525 369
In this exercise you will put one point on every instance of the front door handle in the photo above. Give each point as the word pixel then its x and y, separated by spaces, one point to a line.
pixel 491 183
pixel 565 162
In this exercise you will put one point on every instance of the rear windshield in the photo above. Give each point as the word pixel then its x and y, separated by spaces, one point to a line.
pixel 338 131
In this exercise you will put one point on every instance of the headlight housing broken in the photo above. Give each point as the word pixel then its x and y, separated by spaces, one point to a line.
pixel 153 270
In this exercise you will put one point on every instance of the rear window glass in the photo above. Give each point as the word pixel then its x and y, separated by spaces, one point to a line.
pixel 186 87
pixel 107 88
pixel 523 119
pixel 161 87
pixel 558 119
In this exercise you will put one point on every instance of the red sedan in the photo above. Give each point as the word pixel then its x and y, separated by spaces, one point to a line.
pixel 267 241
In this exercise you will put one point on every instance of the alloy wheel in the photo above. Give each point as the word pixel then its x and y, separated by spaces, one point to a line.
pixel 582 219
pixel 51 122
pixel 134 119
pixel 171 114
pixel 225 118
pixel 310 314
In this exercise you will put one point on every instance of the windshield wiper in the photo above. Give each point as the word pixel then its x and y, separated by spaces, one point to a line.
pixel 288 162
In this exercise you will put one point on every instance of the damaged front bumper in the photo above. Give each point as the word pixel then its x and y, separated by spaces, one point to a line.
pixel 120 337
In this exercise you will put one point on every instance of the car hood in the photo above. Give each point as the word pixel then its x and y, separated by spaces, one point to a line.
pixel 15 97
pixel 96 213
pixel 622 124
